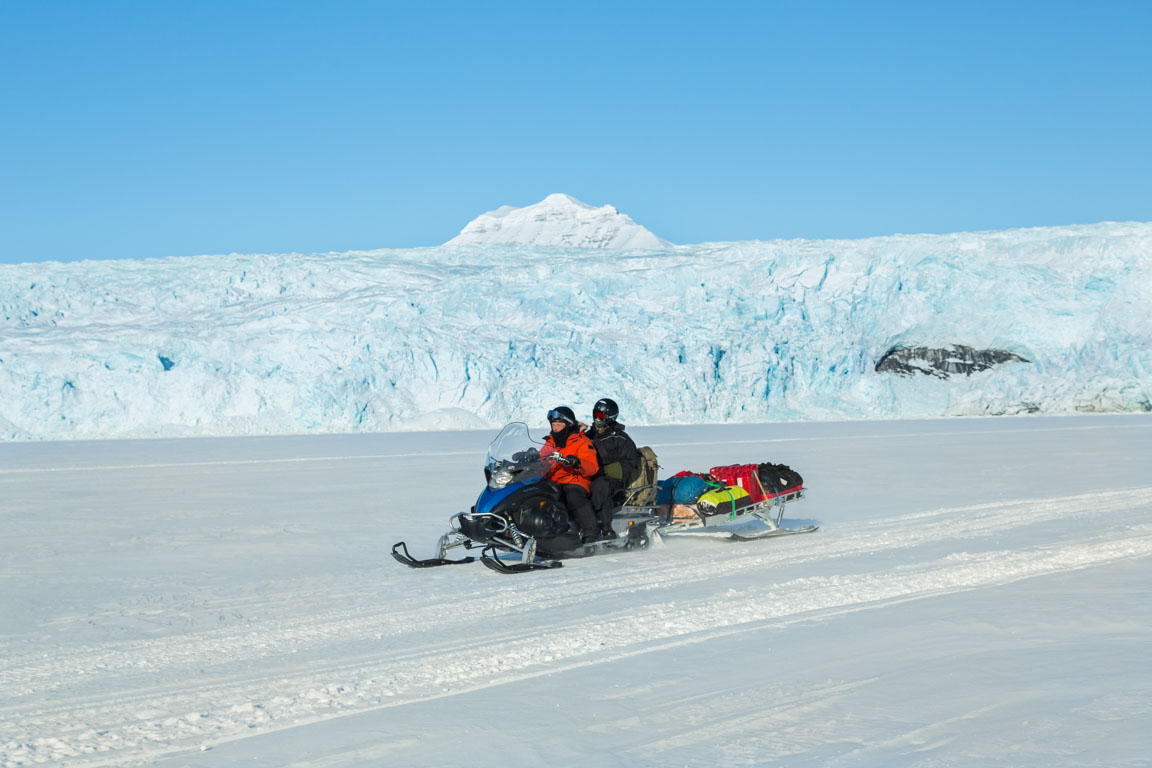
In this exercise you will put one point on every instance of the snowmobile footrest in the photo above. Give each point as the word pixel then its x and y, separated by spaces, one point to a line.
pixel 488 557
pixel 432 562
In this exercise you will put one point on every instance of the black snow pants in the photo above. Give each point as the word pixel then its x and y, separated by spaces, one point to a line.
pixel 576 499
pixel 603 488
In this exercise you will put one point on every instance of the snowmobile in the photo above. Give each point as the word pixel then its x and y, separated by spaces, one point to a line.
pixel 519 511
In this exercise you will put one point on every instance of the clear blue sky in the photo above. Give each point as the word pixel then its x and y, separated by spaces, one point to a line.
pixel 138 129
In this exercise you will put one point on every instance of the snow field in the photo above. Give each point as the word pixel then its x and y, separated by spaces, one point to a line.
pixel 250 608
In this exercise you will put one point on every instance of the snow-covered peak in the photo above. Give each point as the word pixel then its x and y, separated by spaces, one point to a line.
pixel 561 199
pixel 558 219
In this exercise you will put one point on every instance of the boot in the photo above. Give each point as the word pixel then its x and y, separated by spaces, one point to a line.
pixel 607 533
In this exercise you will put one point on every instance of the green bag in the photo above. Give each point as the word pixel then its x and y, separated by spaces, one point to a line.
pixel 723 501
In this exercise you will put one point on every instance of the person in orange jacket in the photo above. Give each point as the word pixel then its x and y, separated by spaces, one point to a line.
pixel 574 465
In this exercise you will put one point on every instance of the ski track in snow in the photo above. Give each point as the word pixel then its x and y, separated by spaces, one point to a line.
pixel 174 693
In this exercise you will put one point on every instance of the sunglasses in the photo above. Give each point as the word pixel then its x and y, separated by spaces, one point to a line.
pixel 557 416
pixel 600 415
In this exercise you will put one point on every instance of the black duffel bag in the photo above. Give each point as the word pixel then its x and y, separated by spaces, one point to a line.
pixel 777 478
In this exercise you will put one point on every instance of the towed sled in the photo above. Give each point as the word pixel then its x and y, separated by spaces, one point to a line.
pixel 520 522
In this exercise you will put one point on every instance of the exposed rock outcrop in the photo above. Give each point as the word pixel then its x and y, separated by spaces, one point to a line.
pixel 944 362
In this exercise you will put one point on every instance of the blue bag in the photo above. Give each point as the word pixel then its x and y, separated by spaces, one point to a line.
pixel 681 490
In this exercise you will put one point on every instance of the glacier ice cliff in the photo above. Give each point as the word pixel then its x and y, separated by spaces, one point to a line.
pixel 473 336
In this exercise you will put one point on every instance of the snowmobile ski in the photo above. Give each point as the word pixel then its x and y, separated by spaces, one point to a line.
pixel 432 562
pixel 636 538
pixel 489 558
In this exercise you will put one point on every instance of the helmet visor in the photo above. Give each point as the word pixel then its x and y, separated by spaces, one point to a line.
pixel 558 416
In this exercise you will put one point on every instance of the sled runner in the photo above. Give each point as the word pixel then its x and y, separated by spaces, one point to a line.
pixel 520 522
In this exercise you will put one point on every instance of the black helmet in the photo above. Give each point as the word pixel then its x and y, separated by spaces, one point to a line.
pixel 605 411
pixel 562 413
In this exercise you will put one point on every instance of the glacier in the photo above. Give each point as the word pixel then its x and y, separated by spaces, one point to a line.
pixel 472 336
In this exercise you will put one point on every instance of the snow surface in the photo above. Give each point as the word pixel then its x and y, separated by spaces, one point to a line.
pixel 474 336
pixel 980 593
pixel 558 220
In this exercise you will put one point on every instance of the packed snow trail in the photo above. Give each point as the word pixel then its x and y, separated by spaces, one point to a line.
pixel 237 596
pixel 175 693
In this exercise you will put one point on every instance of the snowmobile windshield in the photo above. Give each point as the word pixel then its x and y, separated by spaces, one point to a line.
pixel 514 457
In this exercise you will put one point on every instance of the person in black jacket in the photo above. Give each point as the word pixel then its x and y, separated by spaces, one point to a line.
pixel 619 461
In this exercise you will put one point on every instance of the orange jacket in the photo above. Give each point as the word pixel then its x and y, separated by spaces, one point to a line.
pixel 581 447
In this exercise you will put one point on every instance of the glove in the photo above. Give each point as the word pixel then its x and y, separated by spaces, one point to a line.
pixel 571 461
